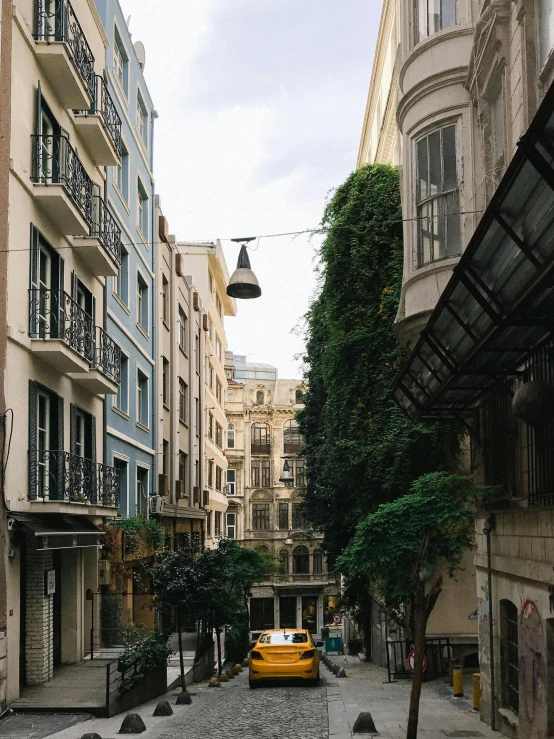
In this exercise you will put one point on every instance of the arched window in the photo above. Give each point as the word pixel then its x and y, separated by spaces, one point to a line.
pixel 260 396
pixel 260 438
pixel 301 561
pixel 318 562
pixel 299 397
pixel 231 436
pixel 284 560
pixel 292 438
pixel 509 639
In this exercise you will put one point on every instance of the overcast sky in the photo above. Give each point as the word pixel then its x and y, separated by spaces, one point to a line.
pixel 260 108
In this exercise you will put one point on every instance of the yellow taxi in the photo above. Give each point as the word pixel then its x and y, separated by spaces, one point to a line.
pixel 284 654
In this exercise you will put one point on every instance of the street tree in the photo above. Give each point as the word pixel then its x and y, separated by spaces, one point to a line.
pixel 408 547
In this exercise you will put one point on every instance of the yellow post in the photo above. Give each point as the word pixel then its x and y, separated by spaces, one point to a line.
pixel 458 682
pixel 476 691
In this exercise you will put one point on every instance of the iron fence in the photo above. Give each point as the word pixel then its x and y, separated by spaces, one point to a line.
pixel 53 314
pixel 107 355
pixel 104 227
pixel 437 652
pixel 102 105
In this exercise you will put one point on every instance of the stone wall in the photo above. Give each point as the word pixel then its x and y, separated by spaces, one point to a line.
pixel 3 667
pixel 39 631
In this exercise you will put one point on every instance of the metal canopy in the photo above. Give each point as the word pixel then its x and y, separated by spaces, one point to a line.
pixel 58 531
pixel 499 303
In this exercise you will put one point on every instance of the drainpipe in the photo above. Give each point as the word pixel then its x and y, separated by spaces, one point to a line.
pixel 487 530
pixel 153 242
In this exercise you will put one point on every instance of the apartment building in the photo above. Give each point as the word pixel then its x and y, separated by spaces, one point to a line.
pixel 180 394
pixel 130 298
pixel 60 361
pixel 205 263
pixel 265 479
pixel 475 115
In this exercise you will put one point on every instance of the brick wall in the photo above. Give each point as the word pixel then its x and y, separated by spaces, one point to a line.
pixel 39 630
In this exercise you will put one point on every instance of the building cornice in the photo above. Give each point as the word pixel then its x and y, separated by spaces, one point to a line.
pixel 99 24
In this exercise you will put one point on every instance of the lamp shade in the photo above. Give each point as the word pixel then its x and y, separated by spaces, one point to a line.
pixel 534 402
pixel 286 474
pixel 243 283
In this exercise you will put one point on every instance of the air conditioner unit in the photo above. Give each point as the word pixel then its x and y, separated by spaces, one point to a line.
pixel 104 572
pixel 195 300
pixel 196 494
pixel 156 505
pixel 205 322
pixel 163 485
pixel 179 265
pixel 163 228
pixel 206 498
pixel 180 489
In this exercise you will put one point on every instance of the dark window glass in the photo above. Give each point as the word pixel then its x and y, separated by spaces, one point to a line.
pixel 283 516
pixel 260 516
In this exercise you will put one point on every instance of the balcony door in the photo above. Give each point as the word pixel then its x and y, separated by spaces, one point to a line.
pixel 83 310
pixel 82 463
pixel 51 20
pixel 47 153
pixel 43 444
pixel 46 444
pixel 46 286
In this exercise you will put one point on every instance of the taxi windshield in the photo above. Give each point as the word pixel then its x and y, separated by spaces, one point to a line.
pixel 283 638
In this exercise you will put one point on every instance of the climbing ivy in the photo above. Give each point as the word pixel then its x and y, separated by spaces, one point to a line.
pixel 361 451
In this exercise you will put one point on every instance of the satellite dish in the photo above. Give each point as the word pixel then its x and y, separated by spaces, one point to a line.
pixel 140 53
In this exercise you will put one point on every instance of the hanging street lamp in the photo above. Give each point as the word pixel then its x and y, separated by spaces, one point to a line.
pixel 243 283
pixel 286 474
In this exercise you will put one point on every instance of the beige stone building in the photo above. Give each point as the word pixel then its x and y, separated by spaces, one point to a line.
pixel 475 117
pixel 58 362
pixel 264 512
pixel 205 263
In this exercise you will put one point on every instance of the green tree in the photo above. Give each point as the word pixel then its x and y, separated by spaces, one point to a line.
pixel 406 549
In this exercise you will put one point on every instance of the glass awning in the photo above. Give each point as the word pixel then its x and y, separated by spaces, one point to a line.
pixel 499 302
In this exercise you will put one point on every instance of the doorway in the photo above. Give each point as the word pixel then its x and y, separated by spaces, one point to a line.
pixel 57 611
pixel 287 611
pixel 309 613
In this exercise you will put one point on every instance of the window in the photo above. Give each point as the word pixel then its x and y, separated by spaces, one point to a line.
pixel 218 347
pixel 165 382
pixel 433 16
pixel 546 30
pixel 210 282
pixel 231 433
pixel 142 303
pixel 298 519
pixel 218 304
pixel 197 352
pixel 210 425
pixel 122 174
pixel 165 300
pixel 494 139
pixel 121 400
pixel 299 397
pixel 284 560
pixel 165 457
pixel 300 474
pixel 260 516
pixel 260 397
pixel 509 655
pixel 182 330
pixel 183 398
pixel 300 561
pixel 142 120
pixel 211 329
pixel 318 562
pixel 211 375
pixel 142 210
pixel 255 476
pixel 120 62
pixel 209 523
pixel 122 469
pixel 259 435
pixel 231 532
pixel 266 474
pixel 142 492
pixel 218 478
pixel 218 391
pixel 121 282
pixel 183 468
pixel 197 415
pixel 283 516
pixel 438 219
pixel 217 531
pixel 219 435
pixel 291 437
pixel 231 482
pixel 262 613
pixel 197 474
pixel 142 399
pixel 210 473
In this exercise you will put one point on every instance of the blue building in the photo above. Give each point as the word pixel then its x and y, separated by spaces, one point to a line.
pixel 130 421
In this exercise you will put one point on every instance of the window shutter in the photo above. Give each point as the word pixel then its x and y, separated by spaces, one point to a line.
pixel 97 494
pixel 72 429
pixel 32 440
pixel 73 285
pixel 61 444
pixel 33 283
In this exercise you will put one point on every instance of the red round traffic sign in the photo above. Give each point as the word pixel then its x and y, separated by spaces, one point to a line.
pixel 411 660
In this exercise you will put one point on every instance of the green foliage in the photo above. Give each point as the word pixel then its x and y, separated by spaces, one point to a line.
pixel 146 652
pixel 135 527
pixel 427 530
pixel 360 449
pixel 236 639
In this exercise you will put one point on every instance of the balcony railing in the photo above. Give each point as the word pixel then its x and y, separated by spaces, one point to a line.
pixel 304 577
pixel 105 228
pixel 107 355
pixel 103 106
pixel 55 20
pixel 293 447
pixel 260 447
pixel 69 478
pixel 55 162
pixel 53 314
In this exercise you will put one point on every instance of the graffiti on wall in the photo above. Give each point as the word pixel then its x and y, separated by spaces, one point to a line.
pixel 530 646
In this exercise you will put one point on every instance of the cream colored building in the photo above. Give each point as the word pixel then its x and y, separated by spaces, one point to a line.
pixel 264 512
pixel 205 263
pixel 180 387
pixel 60 363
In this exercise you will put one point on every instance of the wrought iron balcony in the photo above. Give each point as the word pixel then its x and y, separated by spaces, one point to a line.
pixel 56 22
pixel 107 355
pixel 56 163
pixel 105 229
pixel 59 476
pixel 260 447
pixel 101 126
pixel 293 447
pixel 54 315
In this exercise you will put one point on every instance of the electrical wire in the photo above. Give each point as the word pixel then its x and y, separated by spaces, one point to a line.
pixel 5 461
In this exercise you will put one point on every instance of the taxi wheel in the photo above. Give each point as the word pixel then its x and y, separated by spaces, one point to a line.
pixel 315 681
pixel 252 684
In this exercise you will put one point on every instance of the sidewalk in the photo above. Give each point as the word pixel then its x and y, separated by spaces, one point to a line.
pixel 366 688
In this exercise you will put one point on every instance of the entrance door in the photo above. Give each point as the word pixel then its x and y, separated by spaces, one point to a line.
pixel 57 612
pixel 309 613
pixel 287 610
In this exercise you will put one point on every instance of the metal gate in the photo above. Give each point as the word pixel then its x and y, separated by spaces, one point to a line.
pixel 437 651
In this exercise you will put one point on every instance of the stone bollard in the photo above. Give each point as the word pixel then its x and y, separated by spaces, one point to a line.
pixel 364 724
pixel 183 699
pixel 341 672
pixel 245 662
pixel 236 670
pixel 92 735
pixel 230 674
pixel 214 683
pixel 223 678
pixel 132 724
pixel 163 709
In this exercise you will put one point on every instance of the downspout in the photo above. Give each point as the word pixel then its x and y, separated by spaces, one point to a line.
pixel 153 242
pixel 488 529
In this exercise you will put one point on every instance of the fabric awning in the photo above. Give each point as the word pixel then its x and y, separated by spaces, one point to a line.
pixel 56 531
pixel 499 303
